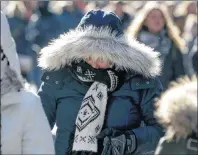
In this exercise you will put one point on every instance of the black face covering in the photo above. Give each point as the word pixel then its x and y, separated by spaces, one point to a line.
pixel 87 74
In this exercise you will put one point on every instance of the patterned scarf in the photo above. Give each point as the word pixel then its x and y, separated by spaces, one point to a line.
pixel 91 115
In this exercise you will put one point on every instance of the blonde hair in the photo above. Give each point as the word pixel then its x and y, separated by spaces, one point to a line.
pixel 172 29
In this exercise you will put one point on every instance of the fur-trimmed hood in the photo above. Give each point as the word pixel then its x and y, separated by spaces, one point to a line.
pixel 138 22
pixel 81 43
pixel 177 108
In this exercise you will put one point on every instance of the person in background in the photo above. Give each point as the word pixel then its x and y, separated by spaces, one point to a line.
pixel 154 27
pixel 93 5
pixel 137 5
pixel 4 4
pixel 177 112
pixel 101 4
pixel 41 29
pixel 70 14
pixel 124 16
pixel 19 14
pixel 192 8
pixel 92 73
pixel 46 25
pixel 24 126
pixel 182 11
pixel 190 50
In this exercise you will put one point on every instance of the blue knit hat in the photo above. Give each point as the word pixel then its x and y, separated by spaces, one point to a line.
pixel 99 18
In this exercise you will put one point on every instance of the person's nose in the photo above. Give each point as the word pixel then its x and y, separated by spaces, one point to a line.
pixel 100 63
pixel 95 65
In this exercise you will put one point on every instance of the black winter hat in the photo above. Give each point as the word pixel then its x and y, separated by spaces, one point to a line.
pixel 99 18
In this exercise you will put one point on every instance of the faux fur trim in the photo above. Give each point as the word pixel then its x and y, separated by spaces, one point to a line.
pixel 177 109
pixel 79 44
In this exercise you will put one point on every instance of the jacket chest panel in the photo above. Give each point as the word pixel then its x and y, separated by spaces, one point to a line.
pixel 120 112
pixel 67 111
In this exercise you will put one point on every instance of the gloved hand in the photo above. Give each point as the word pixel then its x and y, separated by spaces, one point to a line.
pixel 118 142
pixel 112 78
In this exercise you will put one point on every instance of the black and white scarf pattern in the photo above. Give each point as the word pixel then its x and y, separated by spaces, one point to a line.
pixel 91 115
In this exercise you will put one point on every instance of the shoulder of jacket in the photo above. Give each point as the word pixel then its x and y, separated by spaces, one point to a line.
pixel 57 78
pixel 139 82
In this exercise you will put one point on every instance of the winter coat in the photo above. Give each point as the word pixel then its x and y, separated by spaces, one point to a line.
pixel 24 126
pixel 177 112
pixel 61 93
pixel 173 67
pixel 172 63
pixel 172 60
pixel 126 19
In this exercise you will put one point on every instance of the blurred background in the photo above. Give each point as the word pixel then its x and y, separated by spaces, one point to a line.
pixel 34 24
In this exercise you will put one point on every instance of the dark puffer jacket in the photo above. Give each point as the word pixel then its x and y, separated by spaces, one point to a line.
pixel 62 94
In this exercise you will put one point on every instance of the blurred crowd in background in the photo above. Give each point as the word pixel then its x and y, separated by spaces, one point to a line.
pixel 34 24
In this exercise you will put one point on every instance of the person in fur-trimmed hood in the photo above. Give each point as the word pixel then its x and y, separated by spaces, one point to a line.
pixel 24 126
pixel 154 27
pixel 98 86
pixel 177 111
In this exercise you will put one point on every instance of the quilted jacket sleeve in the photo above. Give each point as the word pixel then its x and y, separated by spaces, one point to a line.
pixel 149 134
